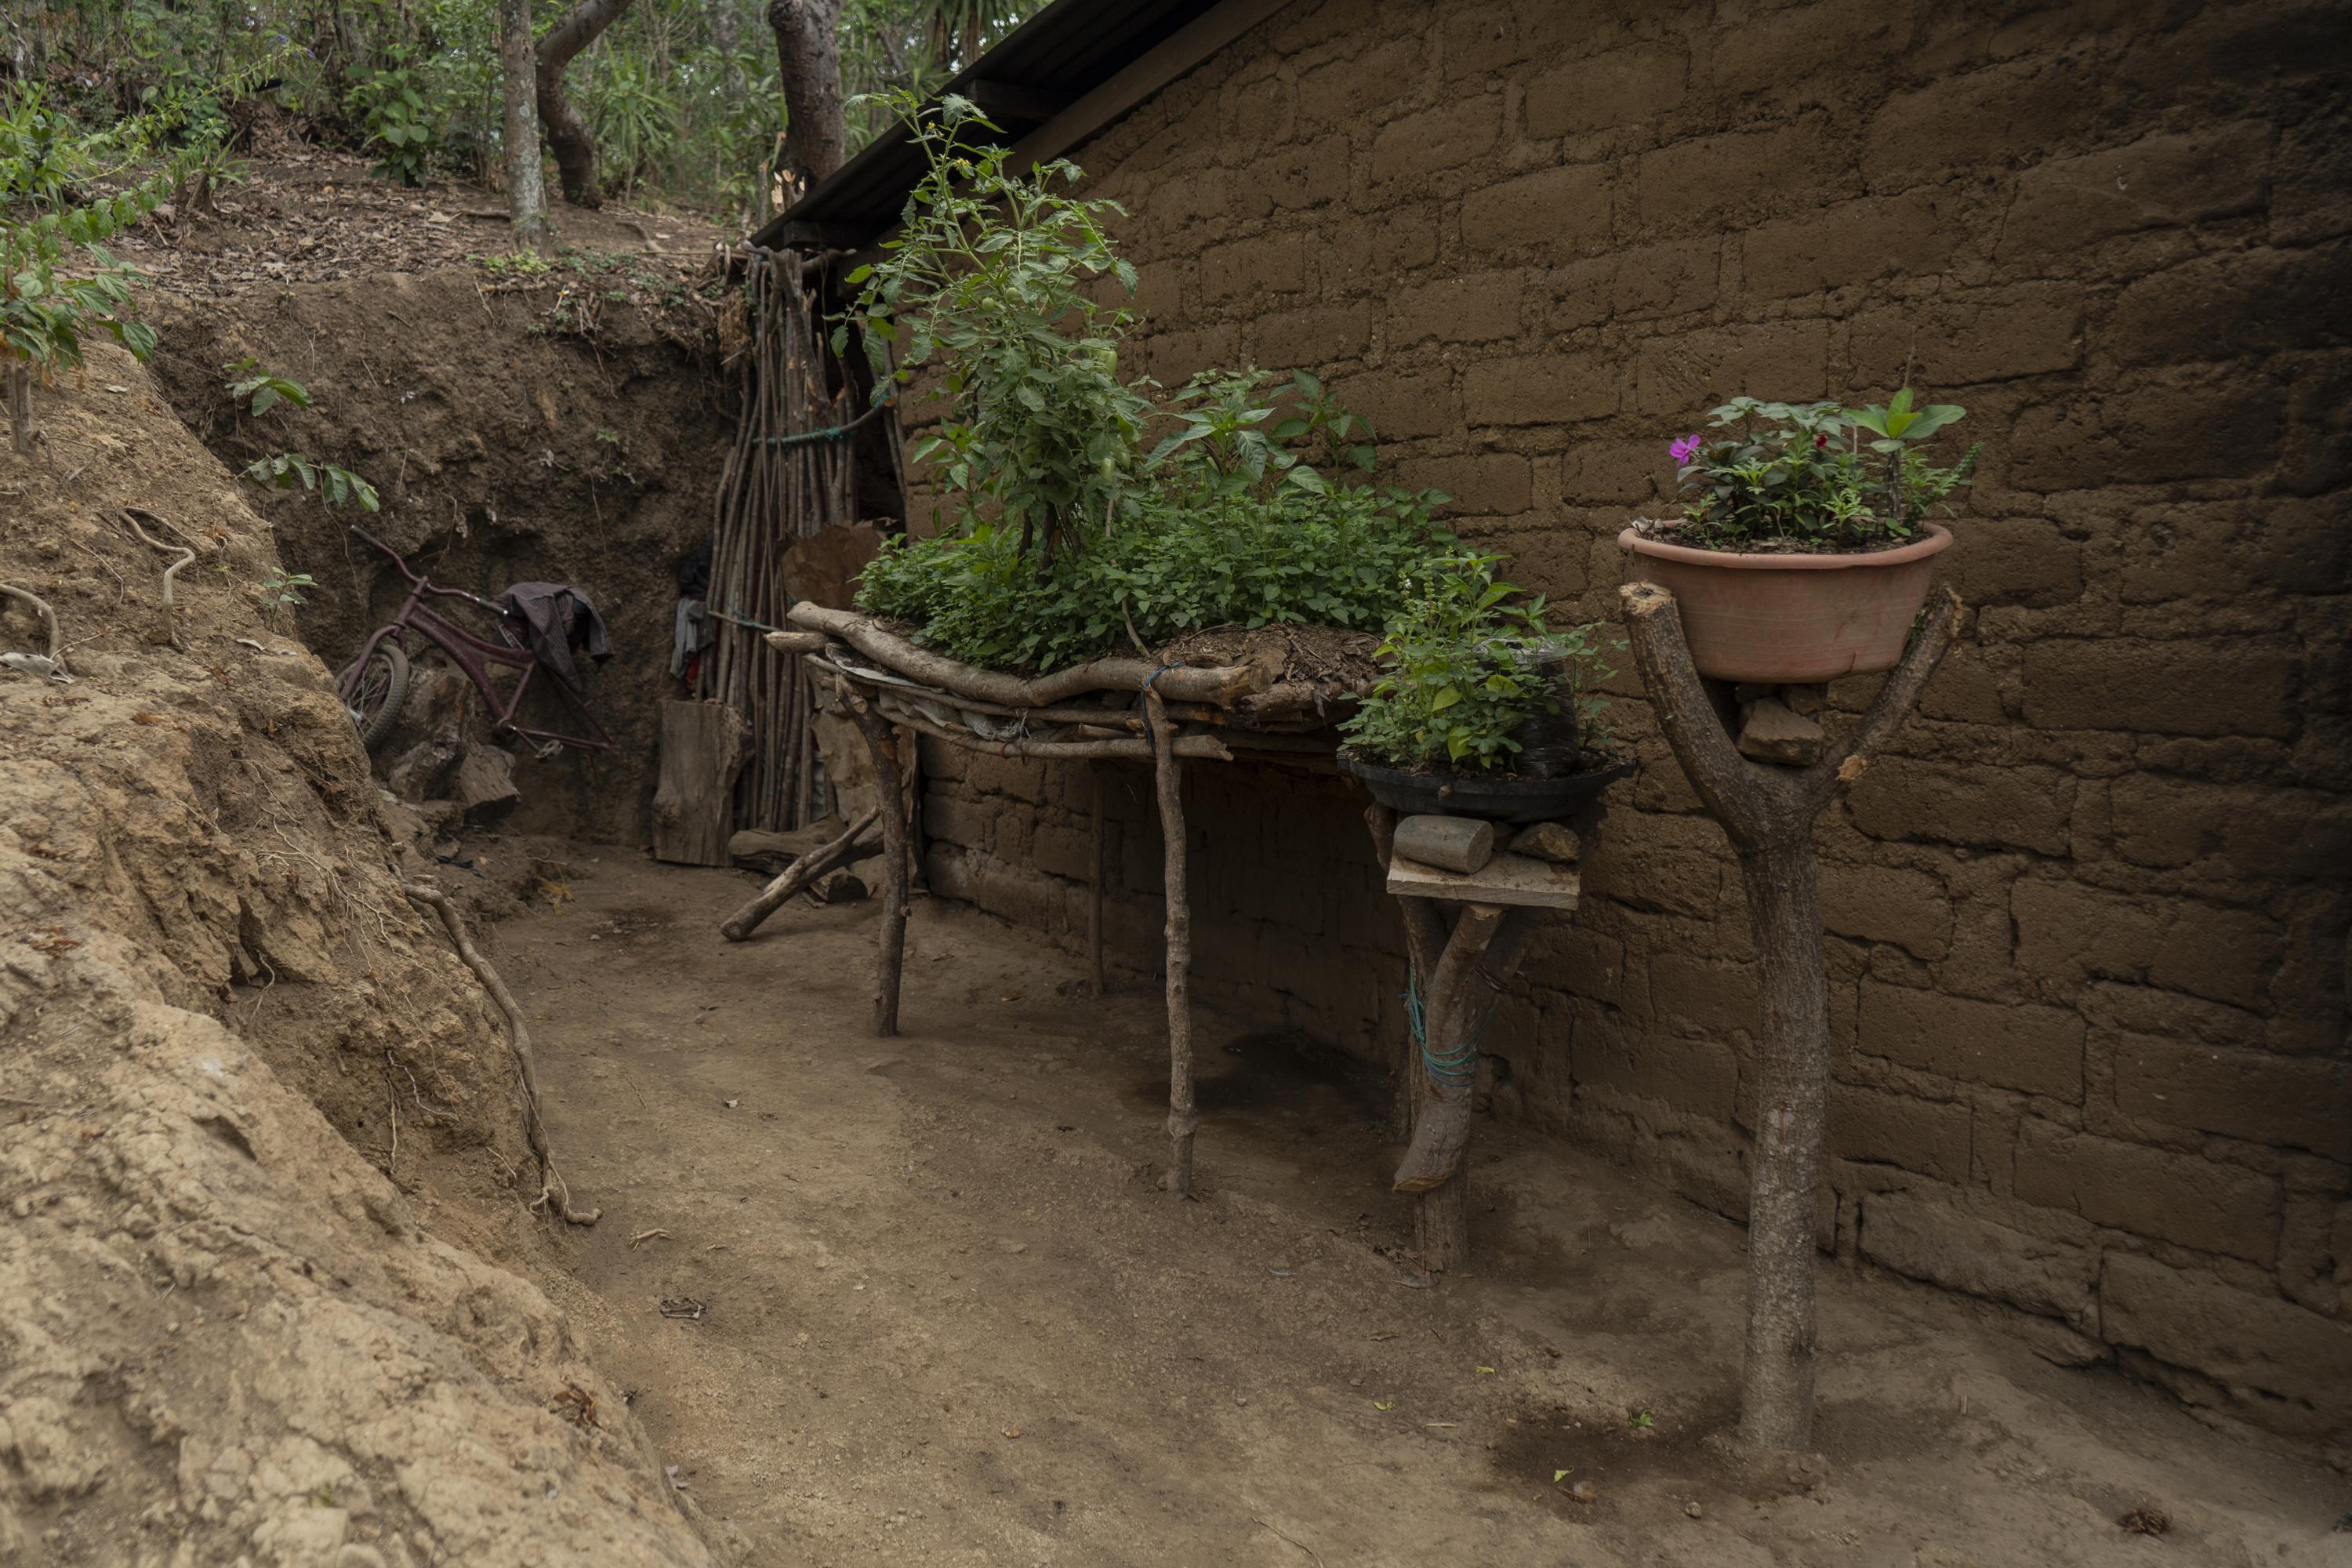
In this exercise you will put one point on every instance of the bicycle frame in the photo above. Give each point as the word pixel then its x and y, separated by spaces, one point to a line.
pixel 476 655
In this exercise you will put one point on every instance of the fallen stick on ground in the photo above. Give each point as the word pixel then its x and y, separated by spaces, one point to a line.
pixel 552 1193
pixel 48 618
pixel 798 875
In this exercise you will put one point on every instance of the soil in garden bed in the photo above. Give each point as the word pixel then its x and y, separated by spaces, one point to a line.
pixel 1318 654
pixel 1671 532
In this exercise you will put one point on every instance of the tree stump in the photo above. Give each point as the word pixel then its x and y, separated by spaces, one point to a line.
pixel 1768 813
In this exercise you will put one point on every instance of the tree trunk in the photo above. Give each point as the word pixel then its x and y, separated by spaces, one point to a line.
pixel 20 406
pixel 526 196
pixel 1768 813
pixel 808 69
pixel 567 133
pixel 1783 1199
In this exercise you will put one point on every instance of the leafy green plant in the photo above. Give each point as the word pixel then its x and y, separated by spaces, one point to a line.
pixel 291 470
pixel 57 282
pixel 262 390
pixel 990 275
pixel 635 118
pixel 401 120
pixel 1802 472
pixel 1461 654
pixel 280 592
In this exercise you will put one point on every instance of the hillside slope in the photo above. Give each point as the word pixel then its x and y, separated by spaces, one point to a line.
pixel 241 1076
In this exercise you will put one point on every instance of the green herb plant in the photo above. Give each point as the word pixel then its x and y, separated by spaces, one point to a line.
pixel 291 470
pixel 1802 472
pixel 1461 654
pixel 260 390
pixel 995 276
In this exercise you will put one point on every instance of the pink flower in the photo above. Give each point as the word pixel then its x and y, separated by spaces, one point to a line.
pixel 1684 449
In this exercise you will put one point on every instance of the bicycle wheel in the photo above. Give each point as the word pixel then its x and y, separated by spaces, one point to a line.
pixel 376 693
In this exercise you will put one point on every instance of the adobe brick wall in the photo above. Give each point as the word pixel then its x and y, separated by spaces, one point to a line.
pixel 2088 915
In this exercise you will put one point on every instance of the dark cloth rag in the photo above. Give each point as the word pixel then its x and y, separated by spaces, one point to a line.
pixel 558 618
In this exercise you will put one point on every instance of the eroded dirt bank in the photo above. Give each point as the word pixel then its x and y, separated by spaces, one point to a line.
pixel 920 1301
pixel 248 1098
pixel 560 425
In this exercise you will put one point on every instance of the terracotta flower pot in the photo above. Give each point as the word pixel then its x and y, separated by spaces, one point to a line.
pixel 1788 620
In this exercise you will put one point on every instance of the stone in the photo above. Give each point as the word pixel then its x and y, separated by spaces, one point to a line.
pixel 1554 841
pixel 2199 1203
pixel 484 785
pixel 1770 731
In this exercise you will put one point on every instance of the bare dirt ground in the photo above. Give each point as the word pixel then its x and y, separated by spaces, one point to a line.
pixel 945 1314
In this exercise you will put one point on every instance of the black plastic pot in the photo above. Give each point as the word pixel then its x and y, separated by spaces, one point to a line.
pixel 1495 799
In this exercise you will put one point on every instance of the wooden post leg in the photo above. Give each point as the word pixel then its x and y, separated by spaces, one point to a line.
pixel 1095 892
pixel 1183 1119
pixel 890 956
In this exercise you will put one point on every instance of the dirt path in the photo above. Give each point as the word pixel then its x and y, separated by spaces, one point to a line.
pixel 948 1318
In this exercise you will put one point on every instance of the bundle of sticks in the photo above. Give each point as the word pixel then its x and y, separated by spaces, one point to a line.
pixel 787 477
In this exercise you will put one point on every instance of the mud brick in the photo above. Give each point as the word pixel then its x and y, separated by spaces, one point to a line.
pixel 2016 561
pixel 2234 1337
pixel 2243 303
pixel 1305 177
pixel 1560 212
pixel 1977 119
pixel 1402 404
pixel 2198 1202
pixel 1852 242
pixel 1608 90
pixel 2304 1102
pixel 1997 809
pixel 1682 375
pixel 1717 999
pixel 1541 389
pixel 1270 264
pixel 1929 1136
pixel 1345 91
pixel 1707 178
pixel 1698 1075
pixel 1445 137
pixel 1928 1237
pixel 1494 483
pixel 2065 204
pixel 1879 903
pixel 1981 335
pixel 2237 686
pixel 2038 1049
pixel 1480 307
pixel 1318 335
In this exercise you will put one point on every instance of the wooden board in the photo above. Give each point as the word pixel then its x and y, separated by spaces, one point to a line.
pixel 703 747
pixel 1505 880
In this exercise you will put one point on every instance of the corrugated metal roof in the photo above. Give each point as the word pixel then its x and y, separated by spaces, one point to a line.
pixel 1048 63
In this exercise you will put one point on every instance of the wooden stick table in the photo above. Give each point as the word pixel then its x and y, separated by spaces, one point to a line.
pixel 1464 935
pixel 1115 709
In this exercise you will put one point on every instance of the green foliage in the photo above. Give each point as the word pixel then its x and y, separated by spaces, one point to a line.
pixel 280 592
pixel 261 390
pixel 991 275
pixel 635 118
pixel 291 470
pixel 1460 657
pixel 396 107
pixel 63 193
pixel 1801 472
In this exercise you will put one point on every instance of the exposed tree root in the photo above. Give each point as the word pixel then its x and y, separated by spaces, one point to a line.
pixel 552 1191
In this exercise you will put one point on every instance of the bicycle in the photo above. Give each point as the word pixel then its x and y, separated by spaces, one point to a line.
pixel 374 685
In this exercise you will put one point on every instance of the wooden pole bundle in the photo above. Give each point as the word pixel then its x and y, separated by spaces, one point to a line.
pixel 774 490
pixel 1768 813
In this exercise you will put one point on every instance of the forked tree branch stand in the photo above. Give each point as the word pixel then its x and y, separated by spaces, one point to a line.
pixel 1768 812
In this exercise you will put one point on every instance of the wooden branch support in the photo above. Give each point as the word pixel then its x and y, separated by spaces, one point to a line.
pixel 740 925
pixel 890 954
pixel 1222 686
pixel 1768 813
pixel 1183 1119
pixel 1461 955
pixel 1094 883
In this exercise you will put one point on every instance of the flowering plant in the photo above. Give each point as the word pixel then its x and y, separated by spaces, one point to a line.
pixel 1803 476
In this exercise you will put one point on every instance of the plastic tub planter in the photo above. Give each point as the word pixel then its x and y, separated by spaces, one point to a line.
pixel 1795 619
